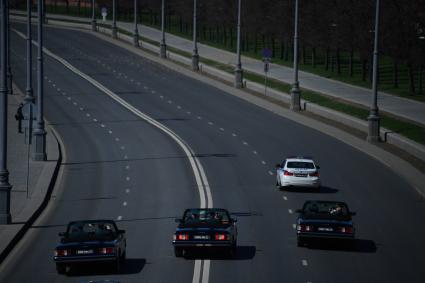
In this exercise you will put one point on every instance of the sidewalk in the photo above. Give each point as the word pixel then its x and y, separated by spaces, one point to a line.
pixel 42 176
pixel 398 106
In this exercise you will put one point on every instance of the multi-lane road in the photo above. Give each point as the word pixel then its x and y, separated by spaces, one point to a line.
pixel 118 164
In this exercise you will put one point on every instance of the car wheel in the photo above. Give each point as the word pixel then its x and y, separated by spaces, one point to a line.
pixel 232 249
pixel 178 252
pixel 117 265
pixel 123 256
pixel 61 268
pixel 301 242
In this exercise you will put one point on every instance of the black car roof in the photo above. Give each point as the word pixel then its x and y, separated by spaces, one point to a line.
pixel 93 221
pixel 326 201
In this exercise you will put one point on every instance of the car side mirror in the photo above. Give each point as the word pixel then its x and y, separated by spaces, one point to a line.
pixel 317 167
pixel 352 213
pixel 178 220
pixel 62 234
pixel 121 231
pixel 298 210
pixel 277 165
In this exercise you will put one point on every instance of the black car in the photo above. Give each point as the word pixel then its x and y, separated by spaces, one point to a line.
pixel 205 227
pixel 324 219
pixel 90 241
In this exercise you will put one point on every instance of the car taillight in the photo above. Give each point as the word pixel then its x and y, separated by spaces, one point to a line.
pixel 183 237
pixel 62 252
pixel 287 173
pixel 222 237
pixel 348 230
pixel 106 251
pixel 314 174
pixel 304 228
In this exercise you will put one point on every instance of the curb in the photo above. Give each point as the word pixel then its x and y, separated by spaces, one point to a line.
pixel 19 234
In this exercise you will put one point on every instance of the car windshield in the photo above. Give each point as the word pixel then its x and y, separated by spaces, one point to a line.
pixel 206 216
pixel 300 165
pixel 326 208
pixel 91 230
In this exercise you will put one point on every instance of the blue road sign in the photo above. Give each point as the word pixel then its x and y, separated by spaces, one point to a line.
pixel 267 52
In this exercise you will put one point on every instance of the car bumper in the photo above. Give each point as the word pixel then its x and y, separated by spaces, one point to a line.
pixel 324 236
pixel 91 258
pixel 306 183
pixel 202 244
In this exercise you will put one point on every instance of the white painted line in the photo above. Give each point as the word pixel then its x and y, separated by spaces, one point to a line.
pixel 110 132
pixel 122 147
pixel 88 114
pixel 188 113
pixel 263 162
pixel 75 103
pixel 102 125
pixel 94 120
pixel 124 203
pixel 119 218
pixel 198 170
pixel 290 211
pixel 294 226
pixel 81 109
pixel 285 198
pixel 127 178
pixel 127 167
pixel 255 152
pixel 125 157
pixel 127 191
pixel 169 101
pixel 270 173
pixel 199 118
pixel 304 262
pixel 117 139
pixel 210 123
pixel 245 143
pixel 161 96
pixel 233 134
pixel 221 129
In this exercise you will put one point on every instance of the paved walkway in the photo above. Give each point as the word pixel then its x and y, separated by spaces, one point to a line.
pixel 398 106
pixel 23 206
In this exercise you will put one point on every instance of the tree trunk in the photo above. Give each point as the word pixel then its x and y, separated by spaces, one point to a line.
pixel 282 49
pixel 273 47
pixel 67 6
pixel 395 73
pixel 263 41
pixel 231 38
pixel 287 44
pixel 412 88
pixel 350 63
pixel 327 59
pixel 255 44
pixel 364 69
pixel 338 62
pixel 224 37
pixel 420 79
pixel 313 57
pixel 78 7
pixel 303 54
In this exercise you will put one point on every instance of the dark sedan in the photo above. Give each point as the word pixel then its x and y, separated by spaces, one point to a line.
pixel 205 227
pixel 90 241
pixel 324 219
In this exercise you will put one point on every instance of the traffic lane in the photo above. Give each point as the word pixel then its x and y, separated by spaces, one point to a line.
pixel 159 157
pixel 288 146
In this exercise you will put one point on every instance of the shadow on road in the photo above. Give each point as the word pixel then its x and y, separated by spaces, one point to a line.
pixel 356 245
pixel 242 253
pixel 322 190
pixel 131 266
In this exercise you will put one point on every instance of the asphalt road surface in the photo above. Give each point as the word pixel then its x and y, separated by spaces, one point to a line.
pixel 119 166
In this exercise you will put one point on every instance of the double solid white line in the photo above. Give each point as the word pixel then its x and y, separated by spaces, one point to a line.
pixel 202 267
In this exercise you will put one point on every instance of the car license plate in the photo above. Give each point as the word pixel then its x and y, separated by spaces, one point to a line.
pixel 300 175
pixel 201 237
pixel 84 252
pixel 325 229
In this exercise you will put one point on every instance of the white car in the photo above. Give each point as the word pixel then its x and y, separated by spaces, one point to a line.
pixel 297 172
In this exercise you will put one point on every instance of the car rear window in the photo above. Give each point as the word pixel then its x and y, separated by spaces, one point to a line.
pixel 206 215
pixel 91 230
pixel 300 165
pixel 330 208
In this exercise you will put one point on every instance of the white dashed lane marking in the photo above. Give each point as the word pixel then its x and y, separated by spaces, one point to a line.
pixel 81 109
pixel 127 178
pixel 221 129
pixel 124 203
pixel 263 162
pixel 245 143
pixel 188 113
pixel 88 114
pixel 127 167
pixel 290 211
pixel 119 218
pixel 117 139
pixel 304 262
pixel 102 125
pixel 285 198
pixel 127 191
pixel 210 123
pixel 233 134
pixel 270 173
pixel 110 132
pixel 254 152
pixel 95 120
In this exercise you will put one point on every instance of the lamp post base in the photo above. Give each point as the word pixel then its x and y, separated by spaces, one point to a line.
pixel 295 98
pixel 373 135
pixel 195 62
pixel 114 32
pixel 5 187
pixel 39 152
pixel 93 26
pixel 238 78
pixel 136 39
pixel 163 51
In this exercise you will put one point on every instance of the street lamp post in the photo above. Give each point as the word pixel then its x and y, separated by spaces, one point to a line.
pixel 39 153
pixel 136 31
pixel 93 16
pixel 373 118
pixel 9 68
pixel 238 70
pixel 195 55
pixel 114 20
pixel 29 97
pixel 163 46
pixel 5 187
pixel 295 90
